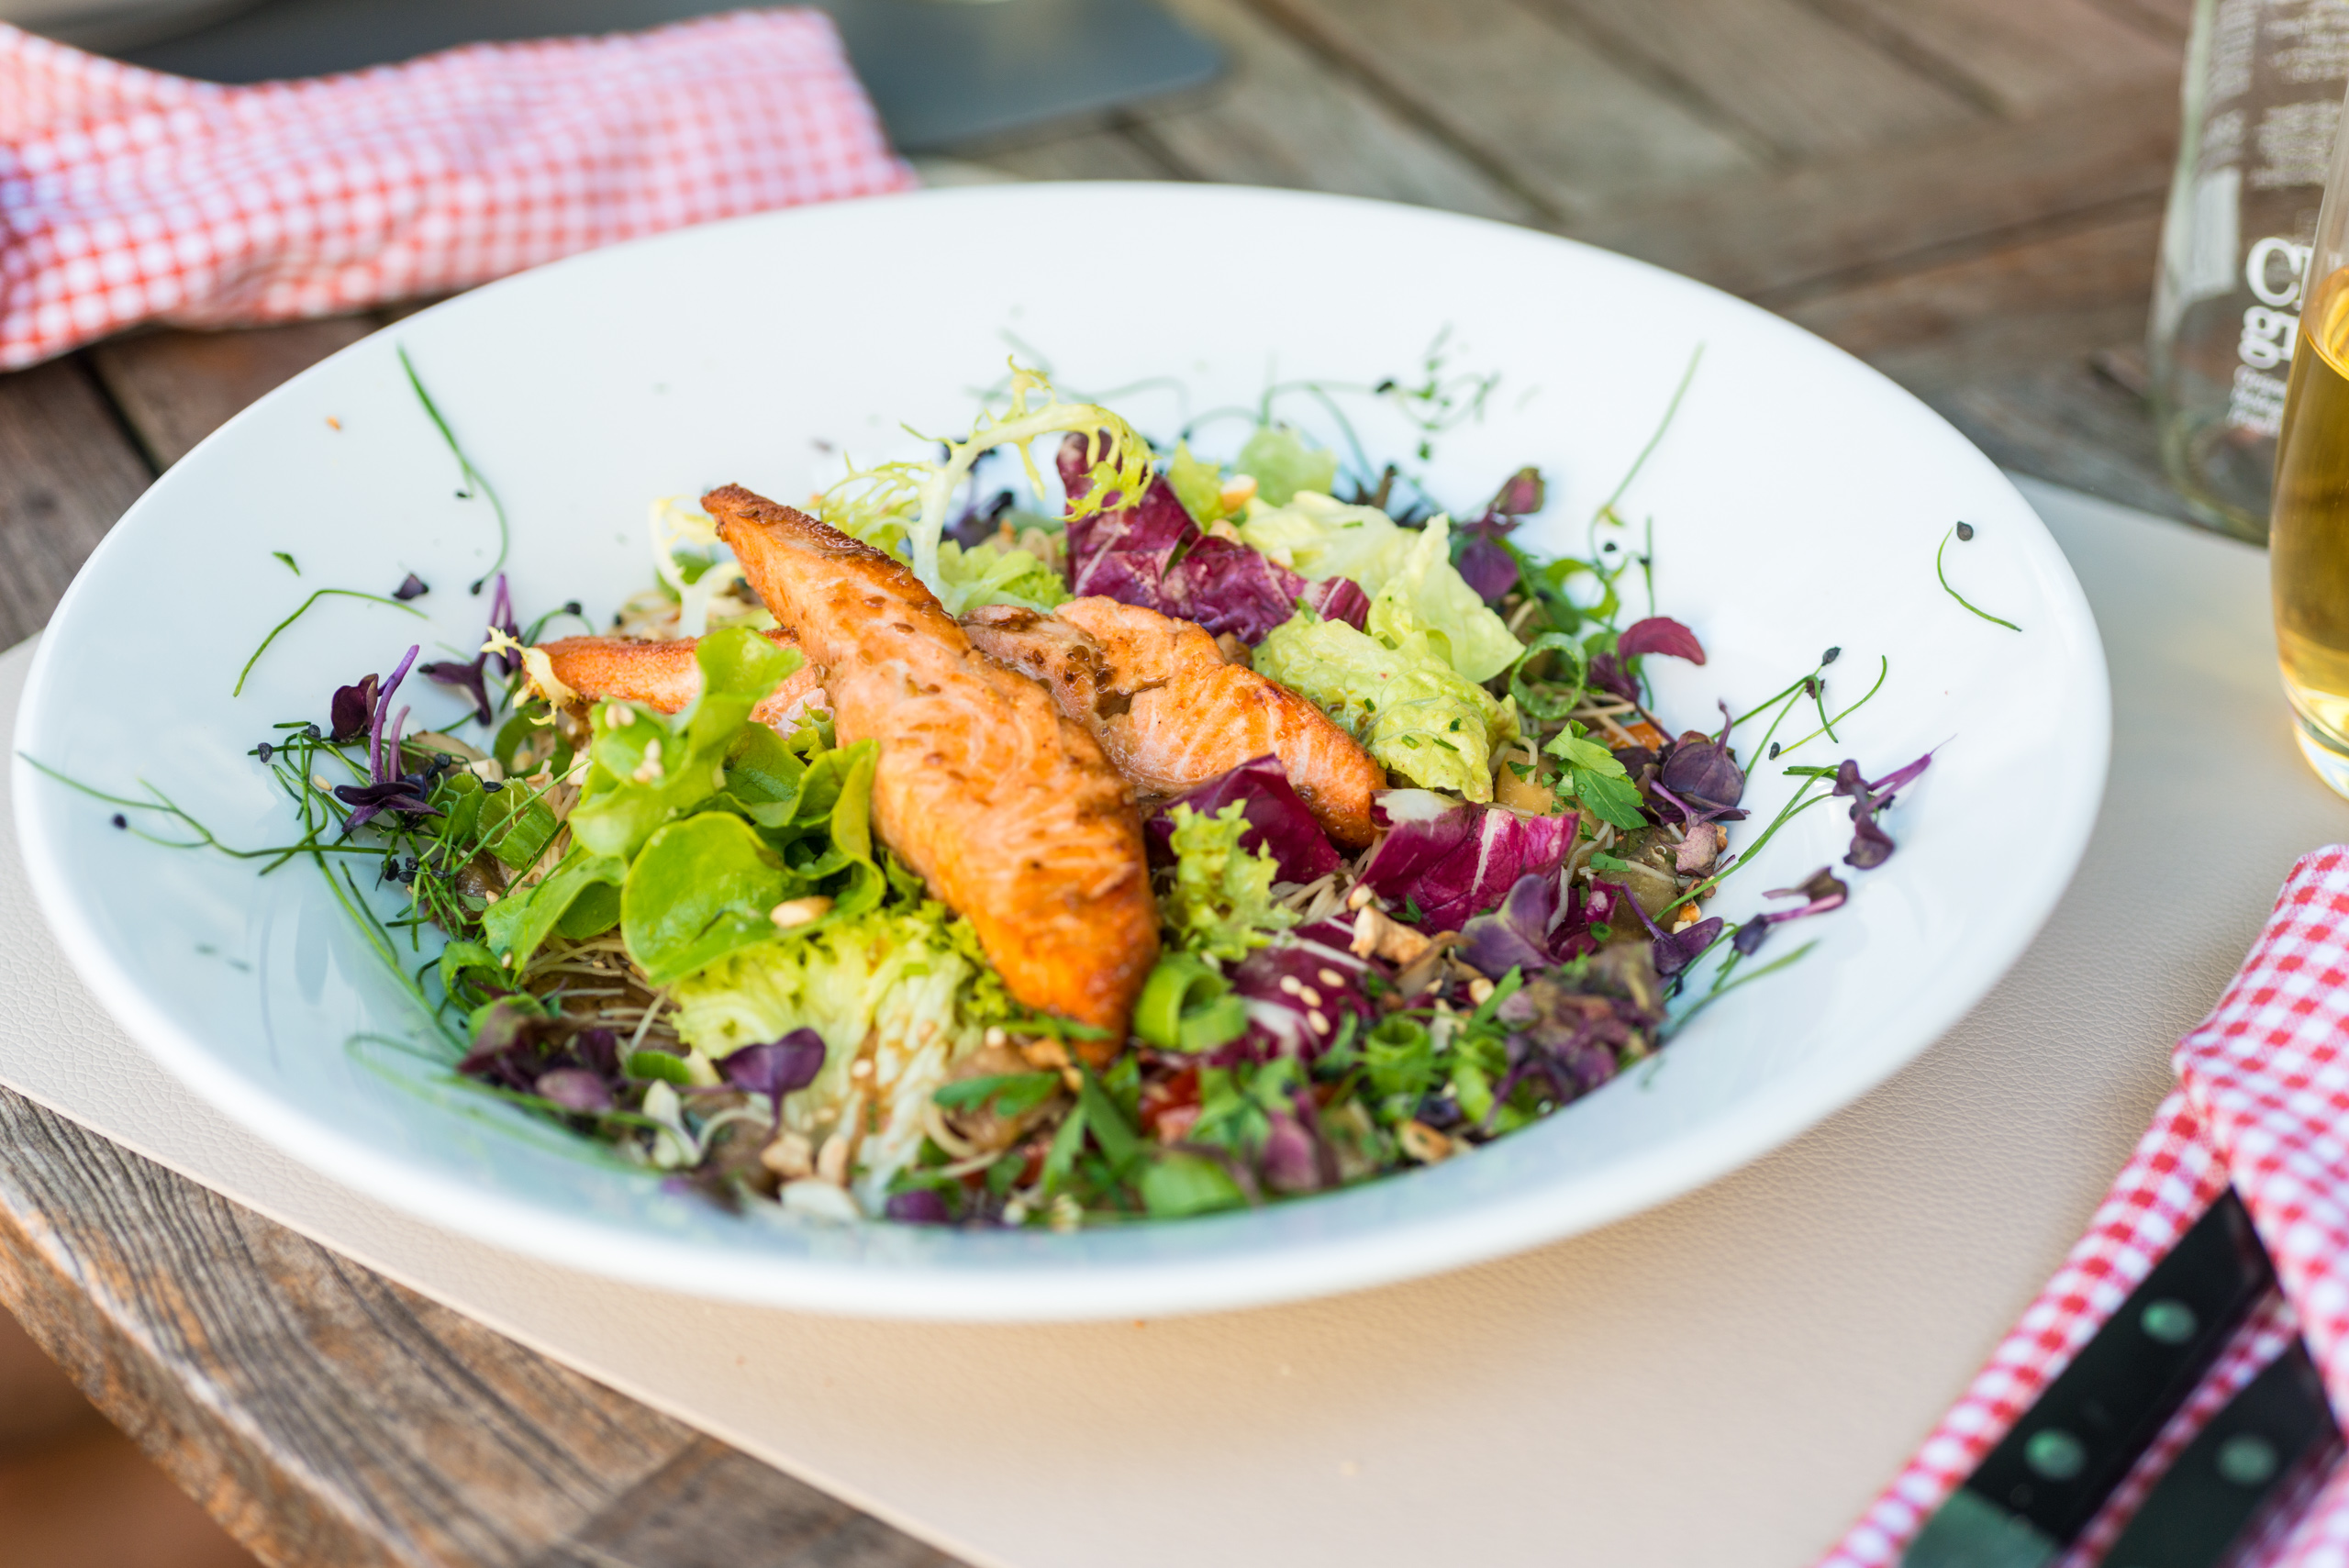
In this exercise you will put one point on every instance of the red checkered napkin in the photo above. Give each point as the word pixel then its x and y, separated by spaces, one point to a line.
pixel 2263 1102
pixel 126 195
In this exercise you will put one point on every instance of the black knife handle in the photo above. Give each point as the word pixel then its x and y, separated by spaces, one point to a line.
pixel 2254 1451
pixel 2076 1443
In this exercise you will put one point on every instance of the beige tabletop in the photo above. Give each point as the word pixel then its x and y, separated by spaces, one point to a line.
pixel 1725 1380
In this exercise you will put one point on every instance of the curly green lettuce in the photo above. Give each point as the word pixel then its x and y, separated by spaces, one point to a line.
pixel 988 573
pixel 1220 904
pixel 903 987
pixel 1410 709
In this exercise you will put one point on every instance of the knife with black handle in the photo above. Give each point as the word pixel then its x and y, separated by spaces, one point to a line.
pixel 2032 1495
pixel 2269 1437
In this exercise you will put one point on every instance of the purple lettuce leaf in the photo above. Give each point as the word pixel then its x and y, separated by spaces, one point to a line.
pixel 1608 674
pixel 1278 819
pixel 1456 861
pixel 1152 554
pixel 1299 991
pixel 1339 598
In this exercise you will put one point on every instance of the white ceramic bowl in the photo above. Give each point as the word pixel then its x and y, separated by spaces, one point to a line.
pixel 1797 501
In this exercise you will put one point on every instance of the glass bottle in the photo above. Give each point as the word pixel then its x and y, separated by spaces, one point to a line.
pixel 2262 94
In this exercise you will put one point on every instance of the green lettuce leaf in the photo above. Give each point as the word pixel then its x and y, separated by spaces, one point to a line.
pixel 1427 595
pixel 1221 904
pixel 1412 710
pixel 645 769
pixel 700 889
pixel 1317 537
pixel 906 986
pixel 1282 464
pixel 580 898
pixel 1198 484
pixel 988 573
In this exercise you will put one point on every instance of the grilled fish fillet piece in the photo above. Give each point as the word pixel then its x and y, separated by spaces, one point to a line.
pixel 1010 812
pixel 663 676
pixel 1171 714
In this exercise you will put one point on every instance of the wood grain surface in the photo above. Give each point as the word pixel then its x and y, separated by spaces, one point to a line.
pixel 1967 193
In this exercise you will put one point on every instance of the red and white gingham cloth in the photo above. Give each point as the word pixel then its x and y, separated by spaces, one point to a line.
pixel 2263 1102
pixel 126 195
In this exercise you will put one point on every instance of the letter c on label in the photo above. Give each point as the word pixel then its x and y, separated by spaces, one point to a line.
pixel 2259 270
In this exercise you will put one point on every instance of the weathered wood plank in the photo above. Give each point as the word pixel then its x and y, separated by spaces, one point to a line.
pixel 328 1417
pixel 177 388
pixel 1281 116
pixel 1765 237
pixel 2069 423
pixel 1790 77
pixel 67 473
pixel 2018 55
pixel 1562 119
pixel 2009 311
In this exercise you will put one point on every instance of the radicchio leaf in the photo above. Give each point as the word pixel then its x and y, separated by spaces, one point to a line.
pixel 575 1089
pixel 1299 991
pixel 1277 820
pixel 1454 860
pixel 1291 1159
pixel 1520 493
pixel 1152 554
pixel 1659 634
pixel 1339 598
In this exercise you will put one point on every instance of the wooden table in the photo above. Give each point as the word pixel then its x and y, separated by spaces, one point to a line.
pixel 1967 193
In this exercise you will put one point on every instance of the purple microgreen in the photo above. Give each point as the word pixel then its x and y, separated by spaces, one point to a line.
pixel 1520 493
pixel 1516 935
pixel 777 1068
pixel 1871 845
pixel 1677 951
pixel 919 1206
pixel 368 801
pixel 352 708
pixel 575 1089
pixel 1822 891
pixel 1659 634
pixel 1608 674
pixel 1964 531
pixel 1487 567
pixel 470 678
pixel 382 701
pixel 411 587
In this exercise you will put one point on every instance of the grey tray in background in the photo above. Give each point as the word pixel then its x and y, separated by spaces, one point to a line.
pixel 941 74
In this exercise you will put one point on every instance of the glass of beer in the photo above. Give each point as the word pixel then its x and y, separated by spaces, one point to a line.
pixel 2308 519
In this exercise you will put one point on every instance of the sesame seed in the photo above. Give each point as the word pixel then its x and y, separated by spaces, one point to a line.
pixel 1289 988
pixel 1331 977
pixel 1308 996
pixel 1320 1020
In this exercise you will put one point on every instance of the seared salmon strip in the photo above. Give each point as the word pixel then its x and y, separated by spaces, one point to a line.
pixel 663 676
pixel 1010 812
pixel 1171 714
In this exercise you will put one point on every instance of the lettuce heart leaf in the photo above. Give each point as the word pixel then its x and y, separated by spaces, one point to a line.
pixel 1427 595
pixel 1412 711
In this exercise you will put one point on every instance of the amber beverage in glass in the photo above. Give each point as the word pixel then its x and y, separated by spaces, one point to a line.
pixel 2308 517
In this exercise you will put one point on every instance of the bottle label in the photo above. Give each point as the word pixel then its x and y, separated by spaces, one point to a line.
pixel 2272 271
